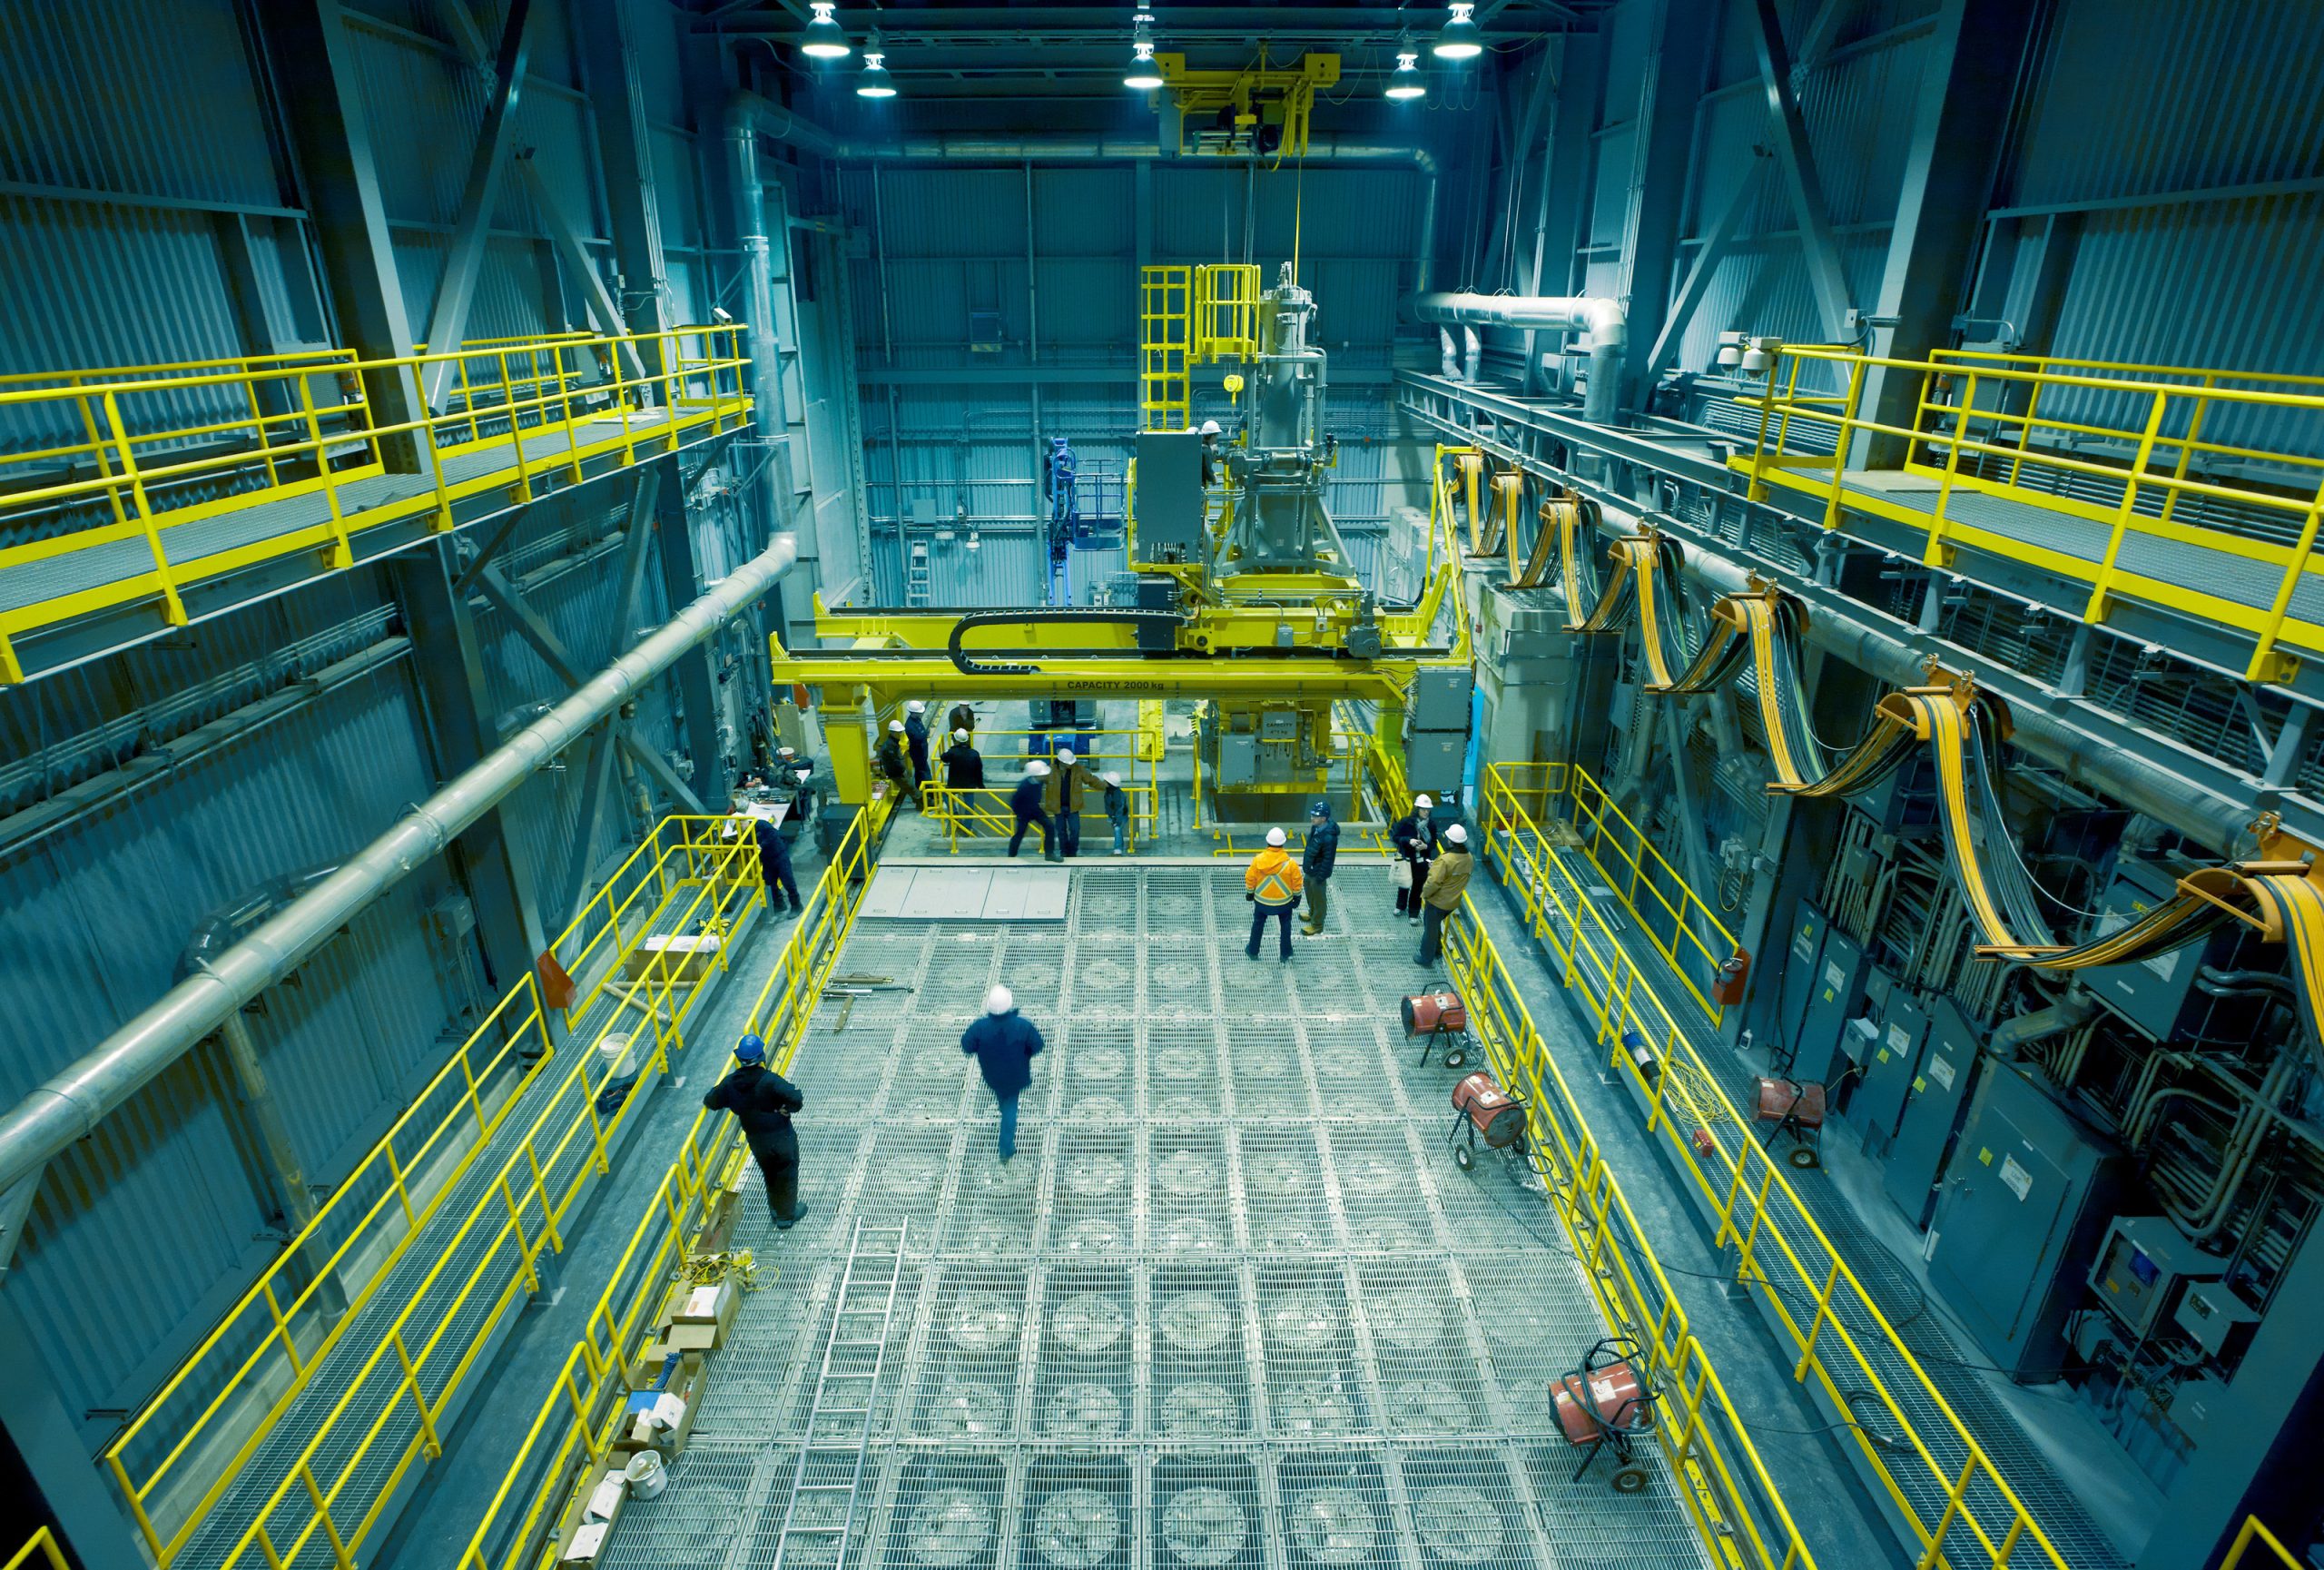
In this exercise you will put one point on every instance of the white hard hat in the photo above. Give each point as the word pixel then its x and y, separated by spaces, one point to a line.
pixel 1113 777
pixel 915 707
pixel 895 724
pixel 1065 755
pixel 959 735
pixel 1000 1000
pixel 1422 801
pixel 1037 769
pixel 1456 833
pixel 1210 427
pixel 786 752
pixel 1274 837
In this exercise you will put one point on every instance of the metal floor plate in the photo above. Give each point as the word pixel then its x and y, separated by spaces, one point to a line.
pixel 1232 1305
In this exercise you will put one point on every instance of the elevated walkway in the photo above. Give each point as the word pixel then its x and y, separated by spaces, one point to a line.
pixel 137 497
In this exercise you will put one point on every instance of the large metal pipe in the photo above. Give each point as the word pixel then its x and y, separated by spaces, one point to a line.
pixel 1605 321
pixel 70 1105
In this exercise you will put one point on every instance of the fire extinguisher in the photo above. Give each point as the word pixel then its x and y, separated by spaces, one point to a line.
pixel 1728 986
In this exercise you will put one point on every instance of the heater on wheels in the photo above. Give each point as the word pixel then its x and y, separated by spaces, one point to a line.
pixel 1439 1018
pixel 1607 1403
pixel 1482 1110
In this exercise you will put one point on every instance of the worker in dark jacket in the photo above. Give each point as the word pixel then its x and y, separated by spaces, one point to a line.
pixel 892 765
pixel 1414 839
pixel 775 867
pixel 1117 811
pixel 962 717
pixel 762 1102
pixel 1317 862
pixel 963 764
pixel 1026 804
pixel 916 742
pixel 1004 1044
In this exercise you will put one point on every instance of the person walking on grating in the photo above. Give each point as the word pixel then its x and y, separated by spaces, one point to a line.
pixel 1415 838
pixel 1004 1044
pixel 1316 865
pixel 1272 883
pixel 1025 803
pixel 762 1102
pixel 1447 879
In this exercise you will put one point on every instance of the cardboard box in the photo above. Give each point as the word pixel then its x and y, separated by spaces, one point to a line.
pixel 689 960
pixel 589 1518
pixel 642 1427
pixel 701 1317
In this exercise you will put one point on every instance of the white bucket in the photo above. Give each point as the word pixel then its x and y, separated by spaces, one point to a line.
pixel 613 1056
pixel 645 1476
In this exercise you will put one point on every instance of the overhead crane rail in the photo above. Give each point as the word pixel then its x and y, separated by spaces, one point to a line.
pixel 145 484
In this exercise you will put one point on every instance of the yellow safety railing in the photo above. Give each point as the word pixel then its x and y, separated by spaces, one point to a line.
pixel 1165 342
pixel 124 464
pixel 577 1420
pixel 1775 1247
pixel 984 809
pixel 1735 1505
pixel 1669 913
pixel 2255 1531
pixel 43 1543
pixel 1226 311
pixel 2123 447
pixel 173 1461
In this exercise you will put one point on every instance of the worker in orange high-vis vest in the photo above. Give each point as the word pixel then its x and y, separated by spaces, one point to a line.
pixel 1272 883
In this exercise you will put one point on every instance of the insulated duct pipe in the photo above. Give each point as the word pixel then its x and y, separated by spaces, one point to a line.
pixel 2142 786
pixel 1450 352
pixel 748 116
pixel 68 1107
pixel 1604 321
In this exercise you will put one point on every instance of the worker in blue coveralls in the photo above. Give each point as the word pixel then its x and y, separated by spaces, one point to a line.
pixel 1004 1044
pixel 762 1102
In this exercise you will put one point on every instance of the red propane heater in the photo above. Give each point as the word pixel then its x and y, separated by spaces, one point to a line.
pixel 1431 1015
pixel 1607 1403
pixel 1480 1107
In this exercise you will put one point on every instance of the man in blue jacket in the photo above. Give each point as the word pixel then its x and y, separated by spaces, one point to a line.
pixel 1004 1044
pixel 1317 862
pixel 762 1102
pixel 1025 803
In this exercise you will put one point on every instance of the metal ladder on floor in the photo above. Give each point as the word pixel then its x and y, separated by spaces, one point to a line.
pixel 916 588
pixel 847 1388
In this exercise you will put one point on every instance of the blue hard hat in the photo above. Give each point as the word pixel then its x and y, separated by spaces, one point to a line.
pixel 1321 809
pixel 750 1050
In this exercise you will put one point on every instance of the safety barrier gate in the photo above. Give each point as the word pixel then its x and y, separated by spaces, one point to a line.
pixel 578 1418
pixel 124 491
pixel 488 1161
pixel 1775 1247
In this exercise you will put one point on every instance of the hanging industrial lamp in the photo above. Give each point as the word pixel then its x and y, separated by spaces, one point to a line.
pixel 1143 75
pixel 1405 83
pixel 1460 39
pixel 823 40
pixel 876 83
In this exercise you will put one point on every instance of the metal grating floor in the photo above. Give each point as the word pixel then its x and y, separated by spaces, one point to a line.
pixel 1233 1304
pixel 2064 1518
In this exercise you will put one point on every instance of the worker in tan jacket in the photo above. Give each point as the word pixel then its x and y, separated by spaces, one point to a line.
pixel 1447 879
pixel 1272 883
pixel 1065 794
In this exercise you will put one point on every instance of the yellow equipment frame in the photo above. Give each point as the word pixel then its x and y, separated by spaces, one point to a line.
pixel 1249 93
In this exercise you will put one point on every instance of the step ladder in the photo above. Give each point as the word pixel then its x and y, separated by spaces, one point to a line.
pixel 821 1514
pixel 916 575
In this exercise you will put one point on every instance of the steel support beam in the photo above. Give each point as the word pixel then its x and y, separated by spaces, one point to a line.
pixel 321 84
pixel 625 151
pixel 487 162
pixel 1560 226
pixel 1796 161
pixel 1716 245
pixel 1670 91
pixel 602 749
pixel 42 1430
pixel 696 675
pixel 1966 82
pixel 492 864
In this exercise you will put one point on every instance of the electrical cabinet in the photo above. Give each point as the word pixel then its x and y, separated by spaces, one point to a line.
pixel 2216 1319
pixel 1239 762
pixel 1803 949
pixel 1878 1105
pixel 1440 699
pixel 1835 997
pixel 2024 1200
pixel 1951 1058
pixel 2142 1261
pixel 1169 496
pixel 1433 761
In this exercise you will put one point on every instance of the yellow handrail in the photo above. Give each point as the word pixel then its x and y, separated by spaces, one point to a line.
pixel 576 1422
pixel 43 1543
pixel 2254 1531
pixel 1777 1248
pixel 2035 448
pixel 244 1376
pixel 268 437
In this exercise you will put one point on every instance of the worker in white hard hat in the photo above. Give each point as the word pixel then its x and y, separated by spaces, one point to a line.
pixel 1027 803
pixel 1068 786
pixel 1004 1044
pixel 1210 452
pixel 1272 883
pixel 893 766
pixel 1414 839
pixel 1448 879
pixel 1117 811
pixel 916 742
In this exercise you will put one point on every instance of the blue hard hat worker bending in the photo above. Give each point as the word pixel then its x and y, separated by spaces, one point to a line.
pixel 762 1102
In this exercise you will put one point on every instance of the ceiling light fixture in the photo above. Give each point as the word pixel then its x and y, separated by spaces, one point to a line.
pixel 876 81
pixel 823 40
pixel 1405 82
pixel 1143 74
pixel 1460 39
